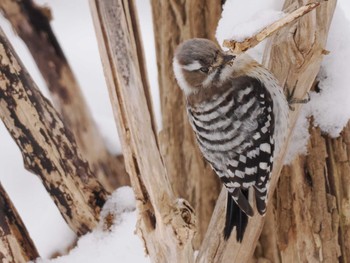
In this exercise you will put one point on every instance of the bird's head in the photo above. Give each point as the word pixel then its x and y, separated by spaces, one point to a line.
pixel 199 63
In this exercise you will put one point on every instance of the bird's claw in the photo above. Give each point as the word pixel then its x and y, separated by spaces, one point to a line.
pixel 292 100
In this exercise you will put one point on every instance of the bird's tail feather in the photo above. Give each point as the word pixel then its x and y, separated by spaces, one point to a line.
pixel 235 217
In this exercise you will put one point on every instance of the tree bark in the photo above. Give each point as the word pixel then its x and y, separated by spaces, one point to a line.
pixel 166 224
pixel 16 246
pixel 48 147
pixel 191 177
pixel 311 205
pixel 32 24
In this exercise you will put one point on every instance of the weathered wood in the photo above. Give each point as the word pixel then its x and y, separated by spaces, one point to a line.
pixel 294 56
pixel 166 224
pixel 190 176
pixel 338 175
pixel 16 246
pixel 48 147
pixel 311 205
pixel 32 24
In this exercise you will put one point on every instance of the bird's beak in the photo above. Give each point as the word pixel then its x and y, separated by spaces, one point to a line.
pixel 224 59
pixel 227 58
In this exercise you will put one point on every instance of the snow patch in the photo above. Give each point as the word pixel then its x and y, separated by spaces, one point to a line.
pixel 251 26
pixel 117 244
pixel 241 20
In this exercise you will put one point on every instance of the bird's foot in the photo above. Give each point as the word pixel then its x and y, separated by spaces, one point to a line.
pixel 292 100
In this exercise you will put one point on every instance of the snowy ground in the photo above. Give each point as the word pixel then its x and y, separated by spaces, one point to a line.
pixel 76 35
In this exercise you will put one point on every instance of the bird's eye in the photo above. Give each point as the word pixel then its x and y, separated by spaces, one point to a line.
pixel 204 69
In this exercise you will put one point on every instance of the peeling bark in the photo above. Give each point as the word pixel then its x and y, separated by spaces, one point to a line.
pixel 32 24
pixel 16 246
pixel 48 147
pixel 189 174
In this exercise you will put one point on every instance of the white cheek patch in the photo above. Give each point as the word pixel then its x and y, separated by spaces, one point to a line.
pixel 193 66
pixel 178 71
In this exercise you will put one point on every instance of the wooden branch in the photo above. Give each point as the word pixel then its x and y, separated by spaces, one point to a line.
pixel 32 24
pixel 190 175
pixel 166 224
pixel 242 46
pixel 294 58
pixel 48 147
pixel 15 243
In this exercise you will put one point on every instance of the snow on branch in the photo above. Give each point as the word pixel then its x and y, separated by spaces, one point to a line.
pixel 250 42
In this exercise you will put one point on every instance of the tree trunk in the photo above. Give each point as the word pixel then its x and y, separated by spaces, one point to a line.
pixel 48 147
pixel 32 24
pixel 166 224
pixel 191 177
pixel 16 246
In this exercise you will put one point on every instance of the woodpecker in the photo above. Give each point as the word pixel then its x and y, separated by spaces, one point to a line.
pixel 239 115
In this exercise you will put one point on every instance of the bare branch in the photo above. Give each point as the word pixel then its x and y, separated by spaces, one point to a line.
pixel 48 147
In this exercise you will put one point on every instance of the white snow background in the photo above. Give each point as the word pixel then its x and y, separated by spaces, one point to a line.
pixel 74 30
